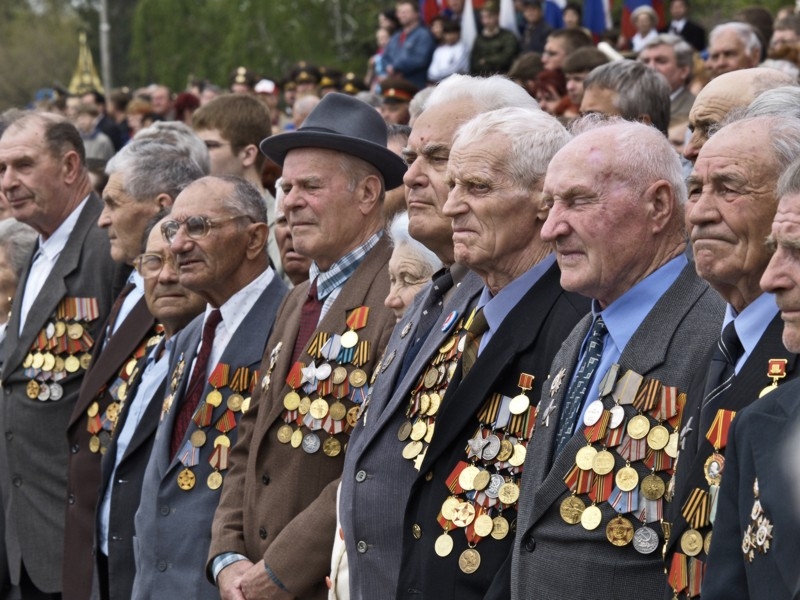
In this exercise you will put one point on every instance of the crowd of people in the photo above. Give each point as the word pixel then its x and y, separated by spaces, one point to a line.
pixel 523 329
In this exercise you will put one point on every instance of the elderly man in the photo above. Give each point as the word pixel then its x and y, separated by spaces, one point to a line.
pixel 732 202
pixel 724 94
pixel 629 90
pixel 459 498
pixel 733 46
pixel 757 530
pixel 61 302
pixel 377 477
pixel 671 55
pixel 294 264
pixel 278 508
pixel 605 434
pixel 217 236
pixel 144 178
pixel 123 465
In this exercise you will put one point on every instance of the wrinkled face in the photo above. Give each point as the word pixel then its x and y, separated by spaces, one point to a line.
pixel 555 51
pixel 599 100
pixel 124 218
pixel 712 104
pixel 295 265
pixel 662 59
pixel 596 223
pixel 408 274
pixel 728 53
pixel 493 217
pixel 32 179
pixel 782 276
pixel 320 205
pixel 426 154
pixel 224 161
pixel 168 301
pixel 731 206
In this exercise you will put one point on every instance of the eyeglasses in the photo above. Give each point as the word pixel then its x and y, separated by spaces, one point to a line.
pixel 196 227
pixel 149 265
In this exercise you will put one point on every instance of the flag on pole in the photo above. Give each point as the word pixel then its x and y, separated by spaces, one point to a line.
pixel 597 16
pixel 553 12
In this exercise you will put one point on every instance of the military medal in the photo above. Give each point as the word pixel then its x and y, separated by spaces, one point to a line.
pixel 585 457
pixel 645 540
pixel 214 480
pixel 638 427
pixel 500 527
pixel 658 437
pixel 285 433
pixel 186 480
pixel 332 447
pixel 355 320
pixel 627 478
pixel 555 385
pixel 619 531
pixel 759 532
pixel 691 542
pixel 311 443
pixel 571 509
pixel 520 403
pixel 591 517
pixel 776 371
pixel 603 462
pixel 443 545
pixel 713 467
pixel 593 413
pixel 406 329
pixel 469 561
pixel 653 487
pixel 448 322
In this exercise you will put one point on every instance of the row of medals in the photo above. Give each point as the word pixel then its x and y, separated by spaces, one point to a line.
pixel 319 409
pixel 620 531
pixel 48 363
pixel 99 441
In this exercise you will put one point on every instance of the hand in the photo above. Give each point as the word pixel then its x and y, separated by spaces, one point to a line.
pixel 257 585
pixel 229 580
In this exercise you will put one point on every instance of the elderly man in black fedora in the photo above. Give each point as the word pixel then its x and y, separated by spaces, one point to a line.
pixel 273 530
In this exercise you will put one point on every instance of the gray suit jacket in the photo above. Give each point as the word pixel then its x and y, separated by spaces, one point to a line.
pixel 173 526
pixel 376 481
pixel 553 560
pixel 33 471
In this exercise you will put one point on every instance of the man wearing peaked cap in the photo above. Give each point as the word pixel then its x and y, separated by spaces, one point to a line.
pixel 396 95
pixel 272 533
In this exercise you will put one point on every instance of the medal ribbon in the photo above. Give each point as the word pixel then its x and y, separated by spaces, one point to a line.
pixel 489 410
pixel 697 570
pixel 651 510
pixel 678 572
pixel 358 318
pixel 658 460
pixel 614 437
pixel 676 420
pixel 203 414
pixel 625 392
pixel 472 537
pixel 226 422
pixel 295 376
pixel 219 376
pixel 452 479
pixel 668 407
pixel 717 434
pixel 598 431
pixel 317 344
pixel 240 380
pixel 361 353
pixel 219 458
pixel 695 510
pixel 624 502
pixel 777 369
pixel 525 381
pixel 648 394
pixel 94 424
pixel 601 487
pixel 188 455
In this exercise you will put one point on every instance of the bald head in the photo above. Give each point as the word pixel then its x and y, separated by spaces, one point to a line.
pixel 723 94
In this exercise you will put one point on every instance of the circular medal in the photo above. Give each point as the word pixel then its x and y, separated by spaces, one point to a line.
pixel 591 518
pixel 603 462
pixel 222 440
pixel 44 392
pixel 352 417
pixel 619 531
pixel 645 540
pixel 339 375
pixel 61 328
pixel 214 398
pixel 72 364
pixel 50 330
pixel 297 438
pixel 462 341
pixel 768 389
pixel 60 367
pixel 436 402
pixel 617 416
pixel 319 408
pixel 495 483
pixel 198 438
pixel 481 480
pixel 571 510
pixel 713 468
pixel 38 360
pixel 304 406
pixel 337 411
pixel 349 339
pixel 658 437
pixel 357 378
pixel 506 450
pixel 585 457
pixel 691 542
pixel 508 493
pixel 518 458
pixel 638 427
pixel 431 375
pixel 463 514
pixel 443 545
pixel 449 507
pixel 627 479
pixel 74 331
pixel 405 430
pixel 122 391
pixel 186 480
pixel 28 362
pixel 112 412
pixel 214 480
pixel 85 360
pixel 291 401
pixel 412 449
pixel 469 561
pixel 332 447
pixel 130 366
pixel 707 543
pixel 519 404
pixel 467 476
pixel 94 444
pixel 284 434
pixel 49 362
pixel 500 527
pixel 483 525
pixel 593 413
pixel 424 403
pixel 93 409
pixel 653 487
pixel 447 346
pixel 491 447
pixel 32 389
pixel 672 445
pixel 418 430
pixel 56 391
pixel 235 402
pixel 311 443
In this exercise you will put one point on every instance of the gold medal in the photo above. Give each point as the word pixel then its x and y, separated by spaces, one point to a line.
pixel 214 398
pixel 246 404
pixel 412 449
pixel 518 458
pixel 38 360
pixel 672 445
pixel 627 479
pixel 449 507
pixel 357 377
pixel 571 510
pixel 349 339
pixel 500 527
pixel 467 477
pixel 405 431
pixel 619 531
pixel 481 480
pixel 93 409
pixel 431 377
pixel 339 375
pixel 443 545
pixel 74 331
pixel 464 514
pixel 305 405
pixel 691 542
pixel 469 561
pixel 337 411
pixel 418 430
pixel 707 543
pixel 49 362
pixel 319 408
pixel 585 457
pixel 122 391
pixel 59 366
pixel 186 480
pixel 603 462
pixel 32 389
pixel 713 467
pixel 198 438
pixel 94 444
pixel 332 447
pixel 508 493
pixel 591 518
pixel 352 417
pixel 235 402
pixel 222 440
pixel 60 329
pixel 506 450
pixel 129 366
pixel 214 480
pixel 85 360
pixel 28 362
pixel 653 487
pixel 436 401
pixel 72 364
pixel 297 438
pixel 638 427
pixel 112 412
pixel 483 525
pixel 658 437
pixel 285 434
pixel 424 404
pixel 519 404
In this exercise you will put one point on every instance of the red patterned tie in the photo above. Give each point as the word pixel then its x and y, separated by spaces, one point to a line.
pixel 309 318
pixel 196 383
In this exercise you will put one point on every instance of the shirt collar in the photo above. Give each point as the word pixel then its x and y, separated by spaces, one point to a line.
pixel 752 322
pixel 52 247
pixel 340 271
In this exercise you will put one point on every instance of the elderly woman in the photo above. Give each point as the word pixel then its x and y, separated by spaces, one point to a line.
pixel 16 243
pixel 645 20
pixel 410 267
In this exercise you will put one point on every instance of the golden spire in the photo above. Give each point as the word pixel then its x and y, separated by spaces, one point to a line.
pixel 85 78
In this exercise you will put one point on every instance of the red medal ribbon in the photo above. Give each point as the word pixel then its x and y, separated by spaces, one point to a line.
pixel 295 376
pixel 601 487
pixel 697 570
pixel 324 388
pixel 598 430
pixel 668 407
pixel 614 437
pixel 255 376
pixel 452 479
pixel 219 376
pixel 202 416
pixel 678 572
pixel 717 434
pixel 649 393
pixel 777 368
pixel 357 318
pixel 226 422
pixel 94 424
pixel 525 381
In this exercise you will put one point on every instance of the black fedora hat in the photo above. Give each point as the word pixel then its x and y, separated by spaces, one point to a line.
pixel 344 123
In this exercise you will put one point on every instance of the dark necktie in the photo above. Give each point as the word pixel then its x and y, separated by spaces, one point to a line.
pixel 309 318
pixel 116 307
pixel 721 371
pixel 197 382
pixel 472 344
pixel 576 394
pixel 428 317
